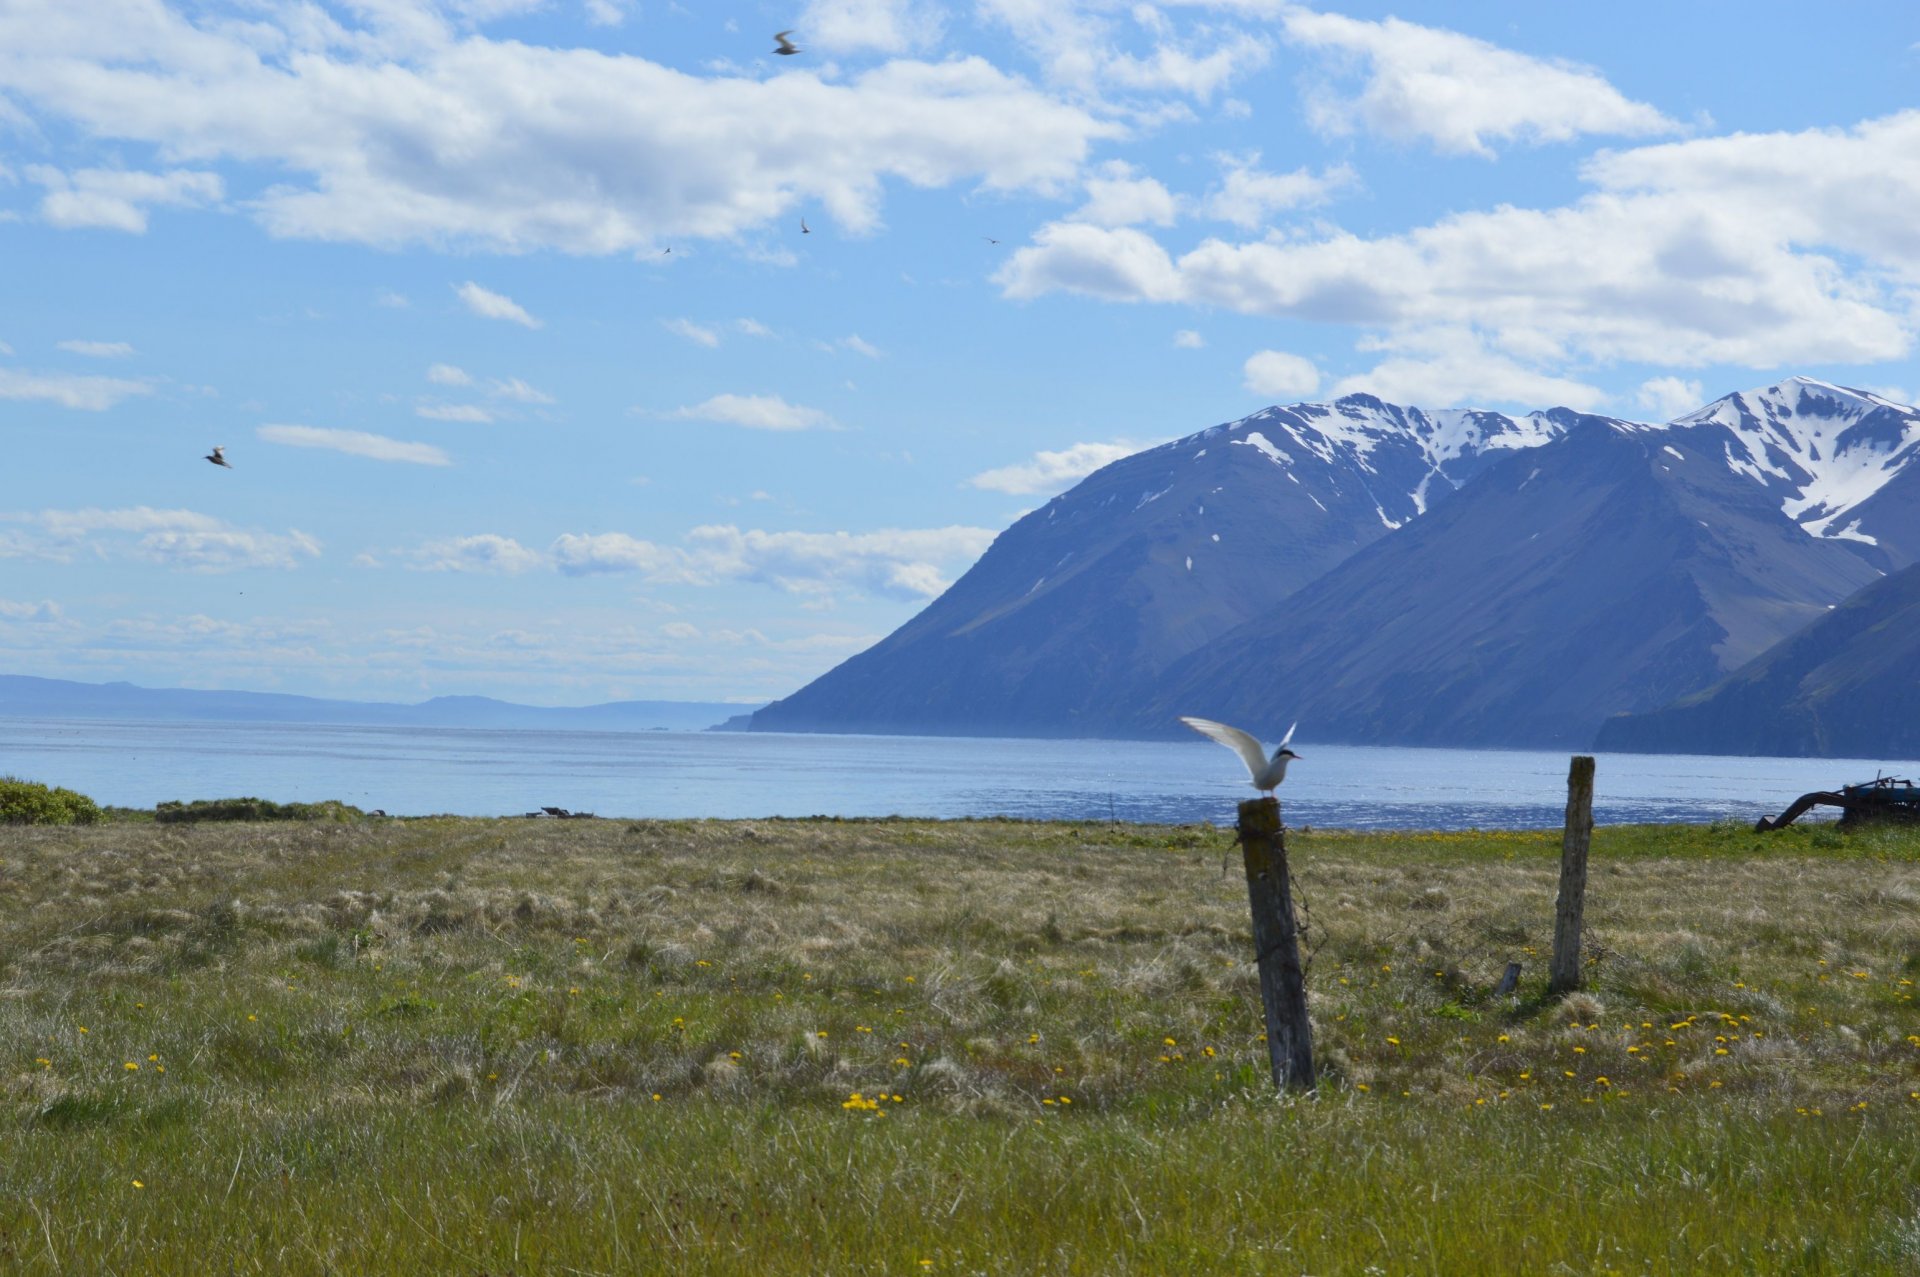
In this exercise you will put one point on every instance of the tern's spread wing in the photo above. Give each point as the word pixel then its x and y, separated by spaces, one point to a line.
pixel 1251 752
pixel 1285 739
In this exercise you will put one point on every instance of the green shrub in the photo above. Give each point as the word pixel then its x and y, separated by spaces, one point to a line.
pixel 23 802
pixel 173 813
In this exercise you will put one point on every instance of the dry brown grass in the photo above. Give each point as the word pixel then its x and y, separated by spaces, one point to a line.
pixel 505 972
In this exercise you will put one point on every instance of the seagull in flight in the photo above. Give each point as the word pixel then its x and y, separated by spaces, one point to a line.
pixel 1266 772
pixel 219 456
pixel 804 230
pixel 787 47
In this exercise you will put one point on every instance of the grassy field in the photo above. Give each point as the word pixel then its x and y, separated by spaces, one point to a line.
pixel 517 1047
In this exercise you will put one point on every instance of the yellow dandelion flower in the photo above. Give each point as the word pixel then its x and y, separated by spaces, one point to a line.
pixel 138 1184
pixel 1503 1038
pixel 131 1067
pixel 1393 1041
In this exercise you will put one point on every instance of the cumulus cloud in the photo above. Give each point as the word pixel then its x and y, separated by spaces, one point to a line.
pixel 1450 368
pixel 1248 196
pixel 1279 375
pixel 1459 93
pixel 96 349
pixel 90 394
pixel 1118 196
pixel 1755 258
pixel 113 199
pixel 757 412
pixel 449 375
pixel 486 552
pixel 861 346
pixel 355 443
pixel 893 562
pixel 1051 472
pixel 492 305
pixel 1669 397
pixel 170 538
pixel 394 124
pixel 881 26
pixel 1187 339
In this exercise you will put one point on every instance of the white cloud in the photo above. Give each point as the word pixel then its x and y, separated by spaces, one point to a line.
pixel 391 300
pixel 1118 197
pixel 486 552
pixel 448 375
pixel 5 349
pixel 517 390
pixel 356 443
pixel 1118 264
pixel 1681 278
pixel 1669 397
pixel 170 538
pixel 1450 368
pixel 1187 339
pixel 92 394
pixel 1279 375
pixel 492 305
pixel 97 349
pixel 861 346
pixel 882 26
pixel 1080 48
pixel 472 413
pixel 757 412
pixel 113 199
pixel 752 328
pixel 892 562
pixel 606 13
pixel 1196 71
pixel 1460 93
pixel 389 124
pixel 1051 472
pixel 43 611
pixel 695 333
pixel 1248 197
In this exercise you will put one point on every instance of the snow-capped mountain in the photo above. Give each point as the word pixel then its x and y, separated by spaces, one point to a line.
pixel 1293 558
pixel 1611 569
pixel 1152 557
pixel 1828 453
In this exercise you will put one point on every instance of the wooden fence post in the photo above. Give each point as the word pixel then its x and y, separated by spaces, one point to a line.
pixel 1573 877
pixel 1276 945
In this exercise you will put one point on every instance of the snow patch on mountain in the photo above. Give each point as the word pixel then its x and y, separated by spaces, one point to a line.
pixel 1824 449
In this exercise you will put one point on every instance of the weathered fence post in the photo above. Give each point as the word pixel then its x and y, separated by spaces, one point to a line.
pixel 1573 876
pixel 1276 945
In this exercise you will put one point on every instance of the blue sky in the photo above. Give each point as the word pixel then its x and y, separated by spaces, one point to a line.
pixel 533 386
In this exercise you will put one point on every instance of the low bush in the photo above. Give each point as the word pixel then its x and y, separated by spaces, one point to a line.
pixel 25 802
pixel 172 813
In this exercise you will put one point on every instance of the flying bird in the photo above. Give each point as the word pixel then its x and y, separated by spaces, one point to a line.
pixel 803 227
pixel 787 47
pixel 1266 772
pixel 219 456
pixel 990 239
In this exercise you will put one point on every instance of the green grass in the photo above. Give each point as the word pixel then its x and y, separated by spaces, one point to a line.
pixel 610 1047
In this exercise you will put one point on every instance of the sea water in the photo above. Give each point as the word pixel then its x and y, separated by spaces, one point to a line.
pixel 484 772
